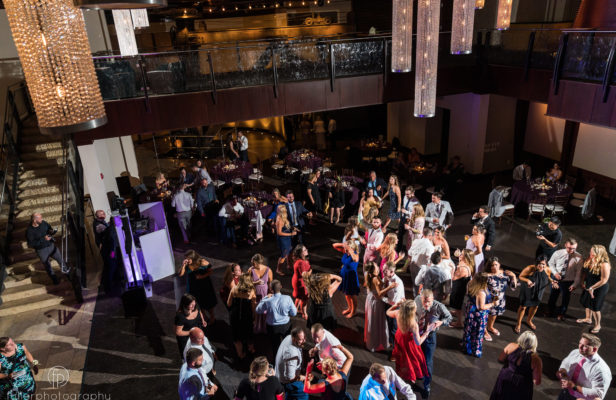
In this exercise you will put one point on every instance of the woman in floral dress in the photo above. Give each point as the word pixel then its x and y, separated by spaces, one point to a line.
pixel 498 281
pixel 477 308
pixel 16 379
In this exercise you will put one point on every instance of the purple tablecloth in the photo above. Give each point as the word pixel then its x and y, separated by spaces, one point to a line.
pixel 521 192
pixel 242 171
pixel 262 197
pixel 294 160
pixel 352 180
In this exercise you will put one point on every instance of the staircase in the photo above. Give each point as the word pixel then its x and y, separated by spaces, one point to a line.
pixel 27 286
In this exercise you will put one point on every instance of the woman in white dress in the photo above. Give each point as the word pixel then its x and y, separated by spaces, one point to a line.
pixel 475 243
pixel 441 245
pixel 376 334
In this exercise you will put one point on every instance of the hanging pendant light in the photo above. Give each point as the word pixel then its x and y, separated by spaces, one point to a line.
pixel 462 26
pixel 402 36
pixel 53 47
pixel 426 57
pixel 503 16
pixel 479 4
pixel 123 23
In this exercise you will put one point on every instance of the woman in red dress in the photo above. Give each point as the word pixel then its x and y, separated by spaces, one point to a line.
pixel 301 266
pixel 410 360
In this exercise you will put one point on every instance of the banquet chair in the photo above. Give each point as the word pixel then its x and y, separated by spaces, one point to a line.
pixel 587 204
pixel 558 206
pixel 537 206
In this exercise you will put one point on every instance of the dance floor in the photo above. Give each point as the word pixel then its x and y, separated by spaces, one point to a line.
pixel 138 356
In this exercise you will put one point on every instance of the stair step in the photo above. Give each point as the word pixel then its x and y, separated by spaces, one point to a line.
pixel 43 155
pixel 43 209
pixel 25 255
pixel 40 147
pixel 13 281
pixel 21 223
pixel 44 200
pixel 39 302
pixel 33 290
pixel 34 179
pixel 42 190
pixel 41 164
pixel 30 139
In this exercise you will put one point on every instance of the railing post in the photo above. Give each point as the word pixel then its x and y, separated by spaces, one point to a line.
pixel 212 77
pixel 529 54
pixel 559 59
pixel 275 72
pixel 144 79
pixel 609 71
pixel 385 61
pixel 332 66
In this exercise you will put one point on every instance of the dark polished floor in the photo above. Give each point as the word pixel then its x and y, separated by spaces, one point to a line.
pixel 138 356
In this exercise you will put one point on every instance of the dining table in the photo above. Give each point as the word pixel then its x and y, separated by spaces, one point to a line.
pixel 350 184
pixel 257 206
pixel 227 171
pixel 527 191
pixel 303 159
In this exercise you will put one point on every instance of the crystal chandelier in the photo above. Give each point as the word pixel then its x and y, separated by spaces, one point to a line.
pixel 402 36
pixel 479 4
pixel 426 58
pixel 462 26
pixel 53 47
pixel 503 16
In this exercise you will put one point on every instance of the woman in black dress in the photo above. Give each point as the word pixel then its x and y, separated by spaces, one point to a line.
pixel 313 195
pixel 594 277
pixel 199 284
pixel 321 288
pixel 535 279
pixel 261 383
pixel 462 275
pixel 188 316
pixel 233 148
pixel 242 302
pixel 522 369
pixel 336 196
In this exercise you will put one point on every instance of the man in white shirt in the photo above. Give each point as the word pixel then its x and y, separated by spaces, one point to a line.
pixel 197 340
pixel 565 266
pixel 382 383
pixel 184 204
pixel 583 373
pixel 436 211
pixel 394 296
pixel 522 172
pixel 408 202
pixel 420 252
pixel 289 365
pixel 325 343
pixel 231 215
pixel 372 241
pixel 243 145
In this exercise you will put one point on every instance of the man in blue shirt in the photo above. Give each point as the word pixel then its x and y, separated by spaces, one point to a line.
pixel 193 385
pixel 278 309
pixel 207 203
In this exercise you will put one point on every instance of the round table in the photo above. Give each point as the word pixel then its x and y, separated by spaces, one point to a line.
pixel 522 192
pixel 226 172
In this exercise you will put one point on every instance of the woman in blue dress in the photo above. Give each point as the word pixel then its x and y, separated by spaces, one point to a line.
pixel 16 379
pixel 395 201
pixel 498 281
pixel 284 233
pixel 477 307
pixel 350 279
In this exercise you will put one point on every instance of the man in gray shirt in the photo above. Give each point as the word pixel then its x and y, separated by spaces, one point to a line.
pixel 289 364
pixel 565 265
pixel 431 314
pixel 183 203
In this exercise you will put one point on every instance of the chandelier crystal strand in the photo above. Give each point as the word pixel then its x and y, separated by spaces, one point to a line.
pixel 53 47
pixel 503 16
pixel 462 26
pixel 402 36
pixel 123 22
pixel 140 18
pixel 479 4
pixel 426 57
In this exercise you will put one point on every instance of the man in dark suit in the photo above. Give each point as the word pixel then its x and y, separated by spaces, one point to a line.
pixel 296 212
pixel 375 184
pixel 482 217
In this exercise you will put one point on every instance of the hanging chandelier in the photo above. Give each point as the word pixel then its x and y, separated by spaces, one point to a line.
pixel 402 36
pixel 479 4
pixel 53 47
pixel 503 15
pixel 462 26
pixel 426 57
